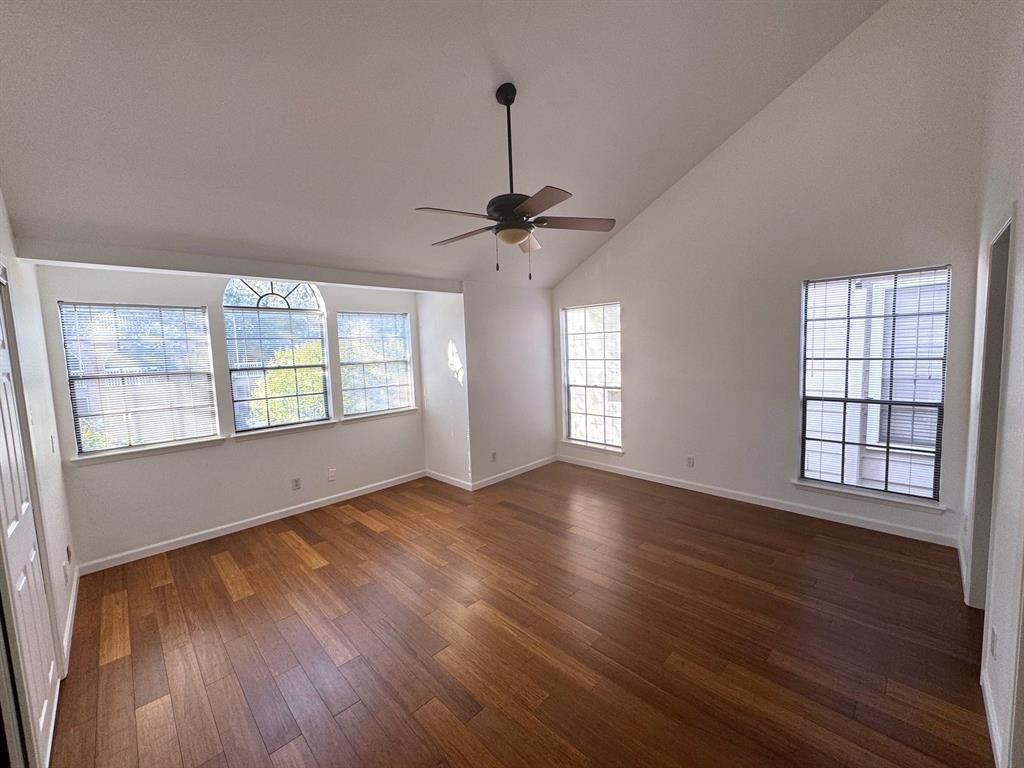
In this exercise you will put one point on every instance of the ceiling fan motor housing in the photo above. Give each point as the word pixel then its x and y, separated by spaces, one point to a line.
pixel 504 207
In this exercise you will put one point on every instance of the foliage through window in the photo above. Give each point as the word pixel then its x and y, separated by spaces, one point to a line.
pixel 138 375
pixel 276 353
pixel 593 373
pixel 376 368
pixel 874 371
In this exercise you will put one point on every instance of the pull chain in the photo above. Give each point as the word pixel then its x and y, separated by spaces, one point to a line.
pixel 529 254
pixel 497 266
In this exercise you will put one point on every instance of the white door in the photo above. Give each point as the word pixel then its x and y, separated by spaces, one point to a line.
pixel 35 660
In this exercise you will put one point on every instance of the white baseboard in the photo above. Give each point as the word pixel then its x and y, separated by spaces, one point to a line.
pixel 69 623
pixel 993 723
pixel 239 525
pixel 908 531
pixel 211 533
pixel 478 484
pixel 463 484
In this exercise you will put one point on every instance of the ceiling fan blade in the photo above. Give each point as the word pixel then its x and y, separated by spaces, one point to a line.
pixel 455 213
pixel 530 245
pixel 548 197
pixel 463 236
pixel 575 222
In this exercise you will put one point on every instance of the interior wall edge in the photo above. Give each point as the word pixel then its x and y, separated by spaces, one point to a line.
pixel 910 532
pixel 239 525
pixel 963 558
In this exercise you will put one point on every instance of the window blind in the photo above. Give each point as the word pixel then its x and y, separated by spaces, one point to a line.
pixel 874 372
pixel 276 353
pixel 376 372
pixel 593 365
pixel 138 375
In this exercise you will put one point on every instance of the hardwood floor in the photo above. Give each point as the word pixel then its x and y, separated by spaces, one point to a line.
pixel 566 617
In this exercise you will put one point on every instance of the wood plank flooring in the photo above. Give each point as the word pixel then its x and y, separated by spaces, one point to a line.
pixel 566 617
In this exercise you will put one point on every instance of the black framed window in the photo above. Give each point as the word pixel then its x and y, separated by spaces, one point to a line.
pixel 874 372
pixel 592 340
pixel 138 375
pixel 276 353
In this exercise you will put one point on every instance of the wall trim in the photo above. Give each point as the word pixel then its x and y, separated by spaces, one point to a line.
pixel 465 485
pixel 907 531
pixel 211 533
pixel 476 485
pixel 993 723
pixel 69 623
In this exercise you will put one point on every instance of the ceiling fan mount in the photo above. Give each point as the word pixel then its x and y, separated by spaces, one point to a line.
pixel 506 94
pixel 516 215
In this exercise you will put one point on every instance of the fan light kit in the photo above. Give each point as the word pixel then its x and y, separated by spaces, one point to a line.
pixel 516 216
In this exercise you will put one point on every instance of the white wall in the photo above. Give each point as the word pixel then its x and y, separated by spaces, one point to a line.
pixel 125 505
pixel 1002 189
pixel 53 505
pixel 511 375
pixel 869 162
pixel 442 327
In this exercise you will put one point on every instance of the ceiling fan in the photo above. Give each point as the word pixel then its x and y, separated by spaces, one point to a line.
pixel 516 215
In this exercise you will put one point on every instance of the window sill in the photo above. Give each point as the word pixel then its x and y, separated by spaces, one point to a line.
pixel 881 497
pixel 377 415
pixel 594 447
pixel 283 430
pixel 142 451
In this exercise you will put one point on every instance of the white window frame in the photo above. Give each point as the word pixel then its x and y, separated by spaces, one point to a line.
pixel 323 367
pixel 408 361
pixel 567 385
pixel 72 379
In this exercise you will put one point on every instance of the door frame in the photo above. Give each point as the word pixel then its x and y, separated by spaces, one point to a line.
pixel 44 560
pixel 11 728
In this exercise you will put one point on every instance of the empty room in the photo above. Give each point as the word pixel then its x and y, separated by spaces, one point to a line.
pixel 511 383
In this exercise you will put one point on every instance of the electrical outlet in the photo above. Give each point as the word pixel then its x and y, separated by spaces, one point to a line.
pixel 494 456
pixel 689 462
pixel 332 475
pixel 993 639
pixel 296 483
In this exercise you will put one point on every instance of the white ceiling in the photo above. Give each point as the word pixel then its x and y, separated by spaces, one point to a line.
pixel 307 132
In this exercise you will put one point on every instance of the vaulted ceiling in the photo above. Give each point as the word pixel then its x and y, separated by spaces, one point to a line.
pixel 307 132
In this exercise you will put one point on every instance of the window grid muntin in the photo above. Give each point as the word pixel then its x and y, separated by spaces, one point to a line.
pixel 202 406
pixel 604 392
pixel 890 342
pixel 398 396
pixel 305 325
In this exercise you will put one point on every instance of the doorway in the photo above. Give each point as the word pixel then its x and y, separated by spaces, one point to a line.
pixel 988 417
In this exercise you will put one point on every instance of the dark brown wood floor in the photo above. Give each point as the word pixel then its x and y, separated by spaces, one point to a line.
pixel 567 617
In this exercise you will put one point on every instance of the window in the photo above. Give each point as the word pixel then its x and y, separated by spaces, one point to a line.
pixel 138 375
pixel 593 397
pixel 376 373
pixel 276 353
pixel 873 381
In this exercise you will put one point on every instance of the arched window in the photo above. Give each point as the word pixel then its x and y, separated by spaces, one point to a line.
pixel 276 353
